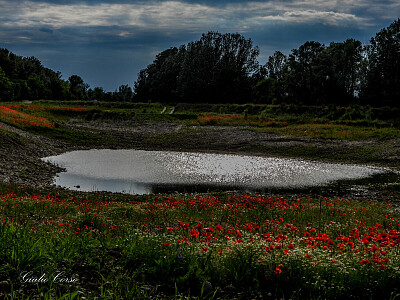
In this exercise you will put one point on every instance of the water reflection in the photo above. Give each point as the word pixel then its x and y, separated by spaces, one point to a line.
pixel 143 172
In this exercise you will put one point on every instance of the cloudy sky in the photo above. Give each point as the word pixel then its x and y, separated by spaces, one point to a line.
pixel 108 42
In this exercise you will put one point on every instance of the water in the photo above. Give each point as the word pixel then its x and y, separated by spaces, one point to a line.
pixel 144 172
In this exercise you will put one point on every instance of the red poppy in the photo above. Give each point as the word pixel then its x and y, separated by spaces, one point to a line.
pixel 364 261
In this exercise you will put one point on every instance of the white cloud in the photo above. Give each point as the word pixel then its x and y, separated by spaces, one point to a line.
pixel 181 15
pixel 323 17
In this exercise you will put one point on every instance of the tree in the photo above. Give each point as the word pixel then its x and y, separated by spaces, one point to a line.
pixel 159 80
pixel 78 88
pixel 382 79
pixel 30 80
pixel 124 93
pixel 273 87
pixel 6 87
pixel 302 82
pixel 275 65
pixel 217 68
pixel 340 67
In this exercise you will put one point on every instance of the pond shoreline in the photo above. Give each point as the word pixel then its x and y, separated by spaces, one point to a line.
pixel 21 151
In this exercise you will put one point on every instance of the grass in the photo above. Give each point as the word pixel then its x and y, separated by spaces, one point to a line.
pixel 314 122
pixel 121 246
pixel 221 246
pixel 22 120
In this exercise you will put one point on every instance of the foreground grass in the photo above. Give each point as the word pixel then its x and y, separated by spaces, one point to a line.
pixel 76 245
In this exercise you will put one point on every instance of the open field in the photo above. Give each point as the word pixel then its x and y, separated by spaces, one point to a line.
pixel 225 246
pixel 220 245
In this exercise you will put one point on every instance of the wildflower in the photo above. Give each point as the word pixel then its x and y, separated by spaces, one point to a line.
pixel 364 261
pixel 278 271
pixel 205 249
pixel 194 233
pixel 167 244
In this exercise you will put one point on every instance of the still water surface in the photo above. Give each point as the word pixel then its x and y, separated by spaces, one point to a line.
pixel 144 172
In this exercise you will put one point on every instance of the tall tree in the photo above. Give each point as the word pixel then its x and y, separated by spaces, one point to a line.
pixel 303 84
pixel 382 85
pixel 78 88
pixel 6 87
pixel 159 80
pixel 217 68
pixel 339 71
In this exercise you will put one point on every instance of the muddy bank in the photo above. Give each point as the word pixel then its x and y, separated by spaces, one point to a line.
pixel 20 151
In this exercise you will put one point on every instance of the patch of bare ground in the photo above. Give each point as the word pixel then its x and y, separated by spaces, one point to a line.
pixel 20 150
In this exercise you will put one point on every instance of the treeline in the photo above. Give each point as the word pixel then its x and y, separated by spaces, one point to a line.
pixel 25 78
pixel 223 68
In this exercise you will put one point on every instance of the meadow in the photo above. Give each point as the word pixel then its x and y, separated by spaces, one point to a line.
pixel 209 246
pixel 60 244
pixel 322 122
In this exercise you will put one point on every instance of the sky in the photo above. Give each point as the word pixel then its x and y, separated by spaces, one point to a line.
pixel 107 43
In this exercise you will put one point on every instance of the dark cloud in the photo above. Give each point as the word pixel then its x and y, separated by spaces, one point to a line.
pixel 108 42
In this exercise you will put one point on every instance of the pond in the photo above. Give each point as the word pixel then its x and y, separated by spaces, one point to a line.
pixel 144 172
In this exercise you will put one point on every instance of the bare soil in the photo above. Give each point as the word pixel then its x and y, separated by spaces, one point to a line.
pixel 21 151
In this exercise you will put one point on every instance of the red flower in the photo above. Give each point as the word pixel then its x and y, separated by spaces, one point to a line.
pixel 364 261
pixel 167 244
pixel 194 233
pixel 278 271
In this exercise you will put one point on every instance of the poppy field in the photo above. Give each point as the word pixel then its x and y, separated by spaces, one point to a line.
pixel 114 246
pixel 20 119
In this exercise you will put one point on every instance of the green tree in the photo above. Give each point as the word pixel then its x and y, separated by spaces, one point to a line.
pixel 382 79
pixel 276 70
pixel 159 80
pixel 124 93
pixel 303 83
pixel 339 71
pixel 78 88
pixel 218 68
pixel 6 87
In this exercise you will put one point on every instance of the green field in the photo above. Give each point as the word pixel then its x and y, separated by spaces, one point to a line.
pixel 59 244
pixel 128 247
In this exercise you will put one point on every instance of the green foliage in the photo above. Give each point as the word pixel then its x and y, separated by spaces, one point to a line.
pixel 146 253
pixel 5 87
pixel 214 69
pixel 381 86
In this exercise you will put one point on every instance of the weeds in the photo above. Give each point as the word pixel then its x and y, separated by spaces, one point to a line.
pixel 199 245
